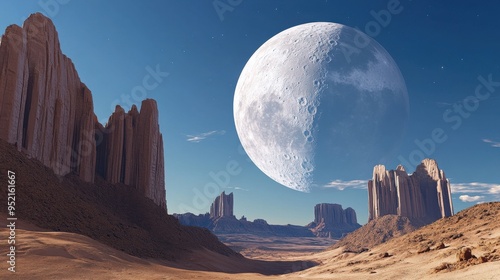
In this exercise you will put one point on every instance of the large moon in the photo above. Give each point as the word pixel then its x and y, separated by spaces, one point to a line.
pixel 319 101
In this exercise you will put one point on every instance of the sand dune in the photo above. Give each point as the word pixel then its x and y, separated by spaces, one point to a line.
pixel 43 254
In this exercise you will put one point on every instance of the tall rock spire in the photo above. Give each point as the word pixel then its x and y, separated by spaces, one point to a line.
pixel 132 150
pixel 45 110
pixel 222 206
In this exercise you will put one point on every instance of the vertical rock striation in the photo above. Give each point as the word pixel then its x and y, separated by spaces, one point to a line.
pixel 331 220
pixel 423 195
pixel 45 110
pixel 47 113
pixel 222 206
pixel 331 214
pixel 132 150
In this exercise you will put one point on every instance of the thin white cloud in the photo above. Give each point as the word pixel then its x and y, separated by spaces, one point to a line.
pixel 492 143
pixel 475 187
pixel 468 198
pixel 342 185
pixel 476 191
pixel 196 138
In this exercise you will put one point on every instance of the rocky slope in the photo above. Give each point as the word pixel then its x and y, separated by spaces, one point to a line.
pixel 114 214
pixel 331 220
pixel 423 195
pixel 449 248
pixel 378 231
pixel 47 113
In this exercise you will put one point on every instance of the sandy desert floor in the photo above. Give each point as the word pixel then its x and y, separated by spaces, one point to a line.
pixel 58 255
pixel 272 248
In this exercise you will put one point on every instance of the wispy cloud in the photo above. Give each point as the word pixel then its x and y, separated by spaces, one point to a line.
pixel 475 187
pixel 468 198
pixel 196 138
pixel 494 144
pixel 479 192
pixel 342 185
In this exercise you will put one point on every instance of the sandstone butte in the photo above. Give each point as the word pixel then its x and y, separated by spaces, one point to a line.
pixel 333 214
pixel 48 114
pixel 424 195
pixel 331 220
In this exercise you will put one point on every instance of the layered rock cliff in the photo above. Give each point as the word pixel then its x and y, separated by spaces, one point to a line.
pixel 45 110
pixel 424 195
pixel 222 206
pixel 334 214
pixel 47 113
pixel 131 150
pixel 331 220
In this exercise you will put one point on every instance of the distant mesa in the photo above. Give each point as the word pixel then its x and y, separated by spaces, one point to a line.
pixel 221 220
pixel 48 114
pixel 424 195
pixel 330 220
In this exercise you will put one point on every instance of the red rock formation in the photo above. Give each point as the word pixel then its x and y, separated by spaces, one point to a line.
pixel 132 150
pixel 424 195
pixel 47 112
pixel 148 143
pixel 222 206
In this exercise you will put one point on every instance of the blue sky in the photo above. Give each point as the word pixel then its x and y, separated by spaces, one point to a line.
pixel 440 47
